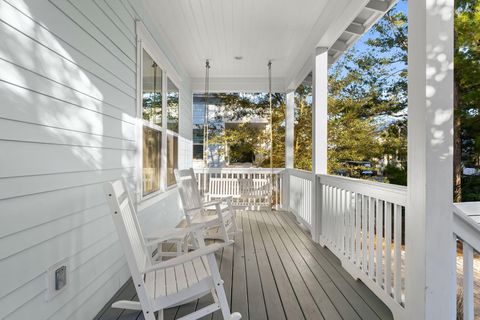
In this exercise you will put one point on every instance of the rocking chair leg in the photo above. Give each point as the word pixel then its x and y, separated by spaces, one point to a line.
pixel 160 315
pixel 220 291
pixel 225 233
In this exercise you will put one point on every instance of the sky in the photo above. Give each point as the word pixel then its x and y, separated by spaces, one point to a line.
pixel 360 45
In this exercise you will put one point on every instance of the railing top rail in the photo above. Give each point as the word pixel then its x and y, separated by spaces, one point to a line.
pixel 383 191
pixel 308 175
pixel 464 211
pixel 464 226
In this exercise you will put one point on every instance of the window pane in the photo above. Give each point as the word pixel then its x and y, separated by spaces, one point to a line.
pixel 152 142
pixel 152 90
pixel 172 156
pixel 198 151
pixel 172 103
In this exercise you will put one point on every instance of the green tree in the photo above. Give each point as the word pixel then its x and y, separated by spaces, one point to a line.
pixel 302 143
pixel 244 142
pixel 466 95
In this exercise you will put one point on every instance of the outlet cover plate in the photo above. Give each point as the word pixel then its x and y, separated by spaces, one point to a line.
pixel 62 269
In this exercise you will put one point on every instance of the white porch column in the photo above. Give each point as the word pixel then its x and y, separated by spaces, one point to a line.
pixel 429 240
pixel 289 141
pixel 319 133
pixel 289 129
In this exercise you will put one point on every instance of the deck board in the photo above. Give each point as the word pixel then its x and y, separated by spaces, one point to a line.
pixel 275 271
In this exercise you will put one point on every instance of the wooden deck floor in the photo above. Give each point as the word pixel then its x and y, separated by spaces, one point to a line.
pixel 274 271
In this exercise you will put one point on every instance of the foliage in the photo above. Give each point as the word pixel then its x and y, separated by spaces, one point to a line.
pixel 471 188
pixel 245 143
pixel 467 93
pixel 368 99
pixel 302 143
pixel 368 102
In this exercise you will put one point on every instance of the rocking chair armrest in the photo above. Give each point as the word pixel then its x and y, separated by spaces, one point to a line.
pixel 217 201
pixel 187 257
pixel 177 233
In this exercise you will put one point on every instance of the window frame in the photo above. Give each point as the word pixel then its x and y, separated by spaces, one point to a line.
pixel 145 42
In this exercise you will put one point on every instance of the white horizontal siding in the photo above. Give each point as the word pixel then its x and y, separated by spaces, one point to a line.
pixel 67 125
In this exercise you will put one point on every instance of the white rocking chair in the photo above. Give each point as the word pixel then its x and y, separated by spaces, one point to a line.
pixel 220 225
pixel 156 284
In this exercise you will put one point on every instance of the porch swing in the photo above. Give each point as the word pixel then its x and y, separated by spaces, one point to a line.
pixel 248 190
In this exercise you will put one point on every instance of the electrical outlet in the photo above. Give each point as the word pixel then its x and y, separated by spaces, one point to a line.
pixel 60 278
pixel 57 279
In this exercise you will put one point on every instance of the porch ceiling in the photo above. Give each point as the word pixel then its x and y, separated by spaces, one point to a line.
pixel 283 31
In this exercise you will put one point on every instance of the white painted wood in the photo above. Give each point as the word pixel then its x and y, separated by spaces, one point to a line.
pixel 144 270
pixel 371 237
pixel 289 129
pixel 467 231
pixel 357 224
pixel 429 270
pixel 58 25
pixel 379 244
pixel 388 248
pixel 468 280
pixel 68 79
pixel 319 132
pixel 218 225
pixel 397 253
pixel 300 195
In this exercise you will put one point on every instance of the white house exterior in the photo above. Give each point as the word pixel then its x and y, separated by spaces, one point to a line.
pixel 71 119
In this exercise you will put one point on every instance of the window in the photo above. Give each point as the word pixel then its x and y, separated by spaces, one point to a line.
pixel 152 145
pixel 152 131
pixel 172 106
pixel 152 90
pixel 159 111
pixel 172 158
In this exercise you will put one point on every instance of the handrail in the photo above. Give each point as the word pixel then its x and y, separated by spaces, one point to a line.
pixel 387 192
pixel 308 175
pixel 467 231
pixel 299 195
pixel 363 225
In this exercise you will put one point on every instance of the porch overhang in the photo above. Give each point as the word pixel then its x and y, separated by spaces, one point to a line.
pixel 239 38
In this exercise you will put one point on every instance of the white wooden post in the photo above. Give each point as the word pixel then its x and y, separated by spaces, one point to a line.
pixel 319 134
pixel 289 129
pixel 163 153
pixel 430 275
pixel 289 141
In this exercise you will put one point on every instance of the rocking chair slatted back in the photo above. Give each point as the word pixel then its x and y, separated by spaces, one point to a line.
pixel 127 223
pixel 188 190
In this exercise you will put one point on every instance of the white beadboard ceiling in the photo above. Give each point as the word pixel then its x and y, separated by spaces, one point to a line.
pixel 284 31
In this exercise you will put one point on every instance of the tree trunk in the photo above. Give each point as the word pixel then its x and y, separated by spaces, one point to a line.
pixel 457 146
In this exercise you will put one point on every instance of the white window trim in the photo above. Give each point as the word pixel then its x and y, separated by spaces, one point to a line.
pixel 146 42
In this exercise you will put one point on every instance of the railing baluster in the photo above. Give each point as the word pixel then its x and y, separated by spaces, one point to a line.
pixel 338 210
pixel 379 248
pixel 371 237
pixel 468 303
pixel 388 248
pixel 397 286
pixel 358 224
pixel 364 233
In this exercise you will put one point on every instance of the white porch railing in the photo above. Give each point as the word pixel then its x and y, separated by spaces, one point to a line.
pixel 299 194
pixel 207 175
pixel 363 224
pixel 467 233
